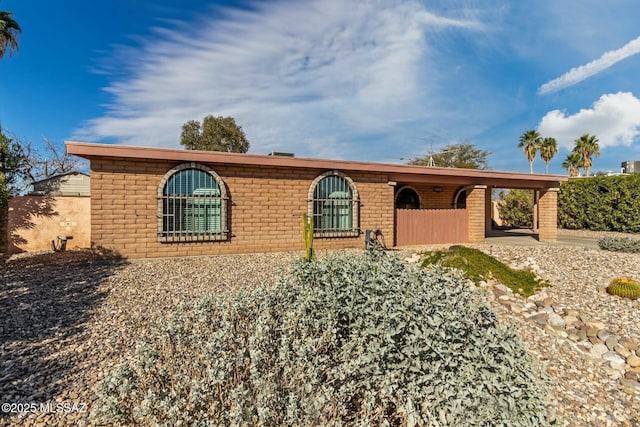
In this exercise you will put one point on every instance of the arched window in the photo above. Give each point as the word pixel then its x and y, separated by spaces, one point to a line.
pixel 407 198
pixel 333 205
pixel 192 205
pixel 460 200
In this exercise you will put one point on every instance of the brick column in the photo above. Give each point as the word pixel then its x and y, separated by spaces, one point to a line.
pixel 536 199
pixel 548 214
pixel 476 209
pixel 488 210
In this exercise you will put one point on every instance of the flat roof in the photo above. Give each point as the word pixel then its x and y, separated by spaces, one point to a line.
pixel 60 176
pixel 395 172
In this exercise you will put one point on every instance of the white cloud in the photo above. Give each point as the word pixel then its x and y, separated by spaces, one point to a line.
pixel 614 119
pixel 577 74
pixel 290 72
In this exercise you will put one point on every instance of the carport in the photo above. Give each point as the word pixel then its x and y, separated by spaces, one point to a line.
pixel 445 205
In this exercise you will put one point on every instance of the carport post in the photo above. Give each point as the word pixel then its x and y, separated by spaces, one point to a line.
pixel 488 211
pixel 536 207
pixel 548 214
pixel 476 208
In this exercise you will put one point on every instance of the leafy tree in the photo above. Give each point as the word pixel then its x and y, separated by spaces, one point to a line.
pixel 9 30
pixel 465 156
pixel 587 146
pixel 572 163
pixel 530 142
pixel 548 149
pixel 12 164
pixel 215 134
pixel 516 208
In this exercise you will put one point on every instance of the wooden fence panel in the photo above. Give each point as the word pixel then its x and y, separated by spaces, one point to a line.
pixel 431 226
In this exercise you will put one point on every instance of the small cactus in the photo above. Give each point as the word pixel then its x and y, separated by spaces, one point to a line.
pixel 307 237
pixel 627 288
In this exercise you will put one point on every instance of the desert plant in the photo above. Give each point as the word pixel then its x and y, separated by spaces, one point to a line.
pixel 347 340
pixel 620 244
pixel 622 287
pixel 477 266
pixel 307 237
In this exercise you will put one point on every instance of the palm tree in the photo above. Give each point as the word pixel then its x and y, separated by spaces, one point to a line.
pixel 9 30
pixel 587 146
pixel 548 149
pixel 573 163
pixel 529 142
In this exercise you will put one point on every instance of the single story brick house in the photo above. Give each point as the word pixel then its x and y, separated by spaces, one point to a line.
pixel 152 202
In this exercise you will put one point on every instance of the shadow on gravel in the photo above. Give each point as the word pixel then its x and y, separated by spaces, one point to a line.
pixel 45 301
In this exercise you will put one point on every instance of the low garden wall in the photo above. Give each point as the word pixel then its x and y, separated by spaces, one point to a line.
pixel 35 221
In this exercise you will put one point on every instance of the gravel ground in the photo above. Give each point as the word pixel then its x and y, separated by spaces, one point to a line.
pixel 69 318
pixel 584 394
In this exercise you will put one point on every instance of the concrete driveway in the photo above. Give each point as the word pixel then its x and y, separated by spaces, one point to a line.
pixel 524 237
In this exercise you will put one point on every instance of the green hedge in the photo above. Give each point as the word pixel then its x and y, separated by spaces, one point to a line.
pixel 606 203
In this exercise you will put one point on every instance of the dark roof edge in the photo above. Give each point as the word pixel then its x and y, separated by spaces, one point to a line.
pixel 89 150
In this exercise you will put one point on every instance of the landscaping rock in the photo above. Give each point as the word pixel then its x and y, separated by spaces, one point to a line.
pixel 556 321
pixel 633 361
pixel 611 342
pixel 592 331
pixel 614 357
pixel 540 318
pixel 597 350
pixel 622 350
pixel 570 320
pixel 631 375
pixel 630 386
pixel 587 386
pixel 613 370
pixel 629 344
pixel 604 334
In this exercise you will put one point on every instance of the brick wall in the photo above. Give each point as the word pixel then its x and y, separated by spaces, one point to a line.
pixel 263 210
pixel 430 199
pixel 548 214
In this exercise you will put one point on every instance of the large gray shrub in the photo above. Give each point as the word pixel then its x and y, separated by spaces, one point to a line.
pixel 344 341
pixel 620 244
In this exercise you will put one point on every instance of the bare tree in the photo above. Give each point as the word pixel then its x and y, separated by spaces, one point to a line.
pixel 46 161
pixel 51 161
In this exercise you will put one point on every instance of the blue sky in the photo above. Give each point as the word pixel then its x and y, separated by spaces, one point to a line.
pixel 374 80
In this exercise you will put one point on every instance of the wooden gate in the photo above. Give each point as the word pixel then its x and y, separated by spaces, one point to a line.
pixel 431 226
